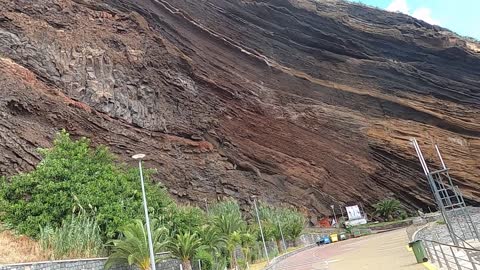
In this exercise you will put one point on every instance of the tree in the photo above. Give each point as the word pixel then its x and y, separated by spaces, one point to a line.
pixel 71 176
pixel 185 246
pixel 213 242
pixel 388 208
pixel 233 240
pixel 227 219
pixel 280 220
pixel 183 218
pixel 269 217
pixel 247 240
pixel 132 248
pixel 292 222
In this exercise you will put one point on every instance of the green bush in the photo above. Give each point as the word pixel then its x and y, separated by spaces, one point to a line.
pixel 183 218
pixel 73 175
pixel 132 247
pixel 206 259
pixel 389 209
pixel 78 237
pixel 273 218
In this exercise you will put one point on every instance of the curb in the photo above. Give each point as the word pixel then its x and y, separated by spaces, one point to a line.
pixel 280 258
pixel 419 229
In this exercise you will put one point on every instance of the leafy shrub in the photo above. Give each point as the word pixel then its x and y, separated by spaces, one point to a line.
pixel 206 259
pixel 132 247
pixel 185 246
pixel 183 218
pixel 388 209
pixel 278 220
pixel 78 237
pixel 70 176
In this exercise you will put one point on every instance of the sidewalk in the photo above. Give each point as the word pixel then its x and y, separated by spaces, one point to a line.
pixel 376 252
pixel 384 251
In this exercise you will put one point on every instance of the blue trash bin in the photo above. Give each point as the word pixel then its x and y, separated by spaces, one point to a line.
pixel 326 240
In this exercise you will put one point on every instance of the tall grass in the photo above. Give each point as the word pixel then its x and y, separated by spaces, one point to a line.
pixel 78 237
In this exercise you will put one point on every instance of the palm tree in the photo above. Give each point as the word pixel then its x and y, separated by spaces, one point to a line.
pixel 132 248
pixel 232 242
pixel 228 221
pixel 386 208
pixel 293 223
pixel 212 240
pixel 247 239
pixel 184 246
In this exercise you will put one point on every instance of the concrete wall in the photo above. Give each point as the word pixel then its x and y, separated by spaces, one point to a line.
pixel 275 261
pixel 93 264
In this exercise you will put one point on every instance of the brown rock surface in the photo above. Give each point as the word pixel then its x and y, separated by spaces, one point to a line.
pixel 301 102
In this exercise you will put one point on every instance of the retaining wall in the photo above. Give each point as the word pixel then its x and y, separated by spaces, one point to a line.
pixel 93 264
pixel 276 260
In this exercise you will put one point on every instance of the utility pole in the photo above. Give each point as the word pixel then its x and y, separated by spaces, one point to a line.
pixel 261 230
pixel 334 215
pixel 139 157
pixel 206 205
pixel 281 233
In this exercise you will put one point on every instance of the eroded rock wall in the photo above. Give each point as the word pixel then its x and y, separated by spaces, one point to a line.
pixel 301 102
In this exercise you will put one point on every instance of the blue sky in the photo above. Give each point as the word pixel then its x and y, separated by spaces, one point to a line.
pixel 460 16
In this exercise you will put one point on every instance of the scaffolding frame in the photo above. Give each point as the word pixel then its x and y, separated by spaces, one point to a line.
pixel 449 200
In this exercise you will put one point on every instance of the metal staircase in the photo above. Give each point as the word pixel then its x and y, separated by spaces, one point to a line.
pixel 450 202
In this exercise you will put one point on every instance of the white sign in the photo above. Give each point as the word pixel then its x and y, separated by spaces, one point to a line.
pixel 353 212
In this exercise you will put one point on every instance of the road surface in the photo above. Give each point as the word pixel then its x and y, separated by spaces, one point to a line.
pixel 385 251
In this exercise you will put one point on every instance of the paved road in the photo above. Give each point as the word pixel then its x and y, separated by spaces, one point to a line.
pixel 385 251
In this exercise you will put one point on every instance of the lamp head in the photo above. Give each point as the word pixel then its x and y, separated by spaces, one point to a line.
pixel 138 156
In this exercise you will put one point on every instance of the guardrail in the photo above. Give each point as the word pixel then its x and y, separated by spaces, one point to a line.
pixel 452 257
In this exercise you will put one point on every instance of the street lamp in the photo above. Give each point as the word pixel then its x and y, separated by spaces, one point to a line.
pixel 334 215
pixel 261 230
pixel 281 233
pixel 139 157
pixel 206 206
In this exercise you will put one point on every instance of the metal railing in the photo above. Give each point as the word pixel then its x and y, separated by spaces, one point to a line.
pixel 452 257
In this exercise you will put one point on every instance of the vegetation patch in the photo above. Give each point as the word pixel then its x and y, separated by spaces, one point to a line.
pixel 80 202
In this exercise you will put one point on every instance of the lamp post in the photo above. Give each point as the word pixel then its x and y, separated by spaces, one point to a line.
pixel 206 206
pixel 261 230
pixel 281 233
pixel 139 157
pixel 334 215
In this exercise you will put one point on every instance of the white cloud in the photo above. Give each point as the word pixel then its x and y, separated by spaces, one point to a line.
pixel 424 14
pixel 398 6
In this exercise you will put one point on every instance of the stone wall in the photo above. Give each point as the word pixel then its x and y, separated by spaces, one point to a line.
pixel 91 264
pixel 278 259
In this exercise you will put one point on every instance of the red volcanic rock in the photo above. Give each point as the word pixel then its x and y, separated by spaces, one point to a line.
pixel 301 102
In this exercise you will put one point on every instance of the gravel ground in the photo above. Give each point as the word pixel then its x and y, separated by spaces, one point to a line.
pixel 439 232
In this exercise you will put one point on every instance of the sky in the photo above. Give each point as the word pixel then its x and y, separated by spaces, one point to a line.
pixel 460 16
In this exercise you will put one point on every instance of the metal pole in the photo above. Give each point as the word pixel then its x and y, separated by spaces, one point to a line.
pixel 459 266
pixel 420 156
pixel 436 255
pixel 206 205
pixel 261 230
pixel 147 219
pixel 440 156
pixel 425 244
pixel 281 233
pixel 363 211
pixel 444 257
pixel 334 216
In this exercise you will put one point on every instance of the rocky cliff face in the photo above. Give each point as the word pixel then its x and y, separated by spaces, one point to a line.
pixel 300 102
